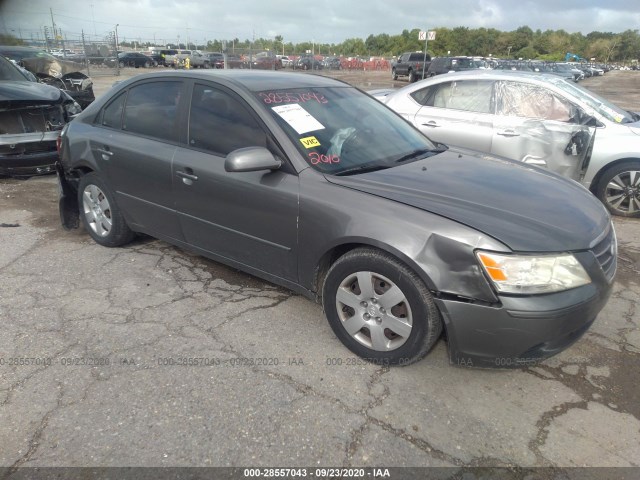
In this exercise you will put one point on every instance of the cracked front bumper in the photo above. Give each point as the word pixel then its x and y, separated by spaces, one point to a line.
pixel 523 330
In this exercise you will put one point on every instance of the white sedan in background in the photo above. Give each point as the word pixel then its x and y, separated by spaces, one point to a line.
pixel 540 119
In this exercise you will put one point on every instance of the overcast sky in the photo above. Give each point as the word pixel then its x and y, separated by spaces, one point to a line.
pixel 322 21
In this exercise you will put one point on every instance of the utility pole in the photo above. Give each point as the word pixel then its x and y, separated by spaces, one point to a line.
pixel 117 58
pixel 53 25
pixel 94 21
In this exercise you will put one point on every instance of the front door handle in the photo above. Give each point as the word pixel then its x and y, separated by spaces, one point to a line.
pixel 508 133
pixel 105 152
pixel 430 123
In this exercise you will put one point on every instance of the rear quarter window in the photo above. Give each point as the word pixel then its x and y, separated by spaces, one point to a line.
pixel 151 110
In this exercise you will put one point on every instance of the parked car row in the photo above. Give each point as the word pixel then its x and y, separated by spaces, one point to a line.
pixel 574 71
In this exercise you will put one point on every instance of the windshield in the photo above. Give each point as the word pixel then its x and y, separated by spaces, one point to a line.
pixel 602 106
pixel 8 71
pixel 341 130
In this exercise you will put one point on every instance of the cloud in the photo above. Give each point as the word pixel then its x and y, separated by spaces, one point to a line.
pixel 325 21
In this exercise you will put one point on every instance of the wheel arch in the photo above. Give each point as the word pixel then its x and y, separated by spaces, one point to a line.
pixel 68 205
pixel 329 257
pixel 598 176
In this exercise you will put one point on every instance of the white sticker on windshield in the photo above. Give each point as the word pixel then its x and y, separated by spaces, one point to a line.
pixel 299 119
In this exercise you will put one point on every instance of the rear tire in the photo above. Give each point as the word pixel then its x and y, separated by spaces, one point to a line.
pixel 100 214
pixel 619 189
pixel 379 308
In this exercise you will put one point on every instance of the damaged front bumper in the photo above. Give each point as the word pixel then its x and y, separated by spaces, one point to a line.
pixel 28 154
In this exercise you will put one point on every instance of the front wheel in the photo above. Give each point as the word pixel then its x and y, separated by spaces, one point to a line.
pixel 379 308
pixel 394 75
pixel 412 76
pixel 619 189
pixel 100 214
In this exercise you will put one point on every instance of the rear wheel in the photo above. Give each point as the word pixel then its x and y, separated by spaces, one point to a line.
pixel 147 64
pixel 379 308
pixel 100 214
pixel 619 189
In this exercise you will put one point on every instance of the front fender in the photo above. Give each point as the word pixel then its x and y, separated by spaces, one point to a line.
pixel 334 219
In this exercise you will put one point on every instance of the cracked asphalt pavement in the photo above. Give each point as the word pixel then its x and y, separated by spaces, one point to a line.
pixel 151 356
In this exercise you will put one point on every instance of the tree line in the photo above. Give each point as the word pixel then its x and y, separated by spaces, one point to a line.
pixel 523 43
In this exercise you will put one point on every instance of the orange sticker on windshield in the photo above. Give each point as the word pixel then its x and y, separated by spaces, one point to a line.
pixel 310 142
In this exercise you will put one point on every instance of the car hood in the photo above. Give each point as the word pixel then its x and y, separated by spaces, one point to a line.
pixel 15 93
pixel 524 207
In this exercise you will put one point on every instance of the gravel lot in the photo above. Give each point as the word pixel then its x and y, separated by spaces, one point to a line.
pixel 104 325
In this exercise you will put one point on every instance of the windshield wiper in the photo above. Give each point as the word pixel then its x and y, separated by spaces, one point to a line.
pixel 363 169
pixel 419 154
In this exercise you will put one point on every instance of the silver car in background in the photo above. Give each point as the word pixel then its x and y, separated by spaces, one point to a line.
pixel 540 119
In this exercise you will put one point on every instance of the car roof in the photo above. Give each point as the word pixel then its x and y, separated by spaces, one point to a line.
pixel 533 77
pixel 252 80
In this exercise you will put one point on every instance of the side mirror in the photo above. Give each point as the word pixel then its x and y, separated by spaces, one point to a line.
pixel 251 159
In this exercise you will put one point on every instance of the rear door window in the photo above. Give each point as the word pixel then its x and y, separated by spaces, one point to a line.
pixel 467 95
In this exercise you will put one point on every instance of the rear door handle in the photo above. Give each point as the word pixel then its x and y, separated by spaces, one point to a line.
pixel 187 177
pixel 508 133
pixel 430 123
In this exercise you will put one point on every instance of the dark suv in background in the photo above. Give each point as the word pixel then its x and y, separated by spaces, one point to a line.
pixel 412 65
pixel 440 65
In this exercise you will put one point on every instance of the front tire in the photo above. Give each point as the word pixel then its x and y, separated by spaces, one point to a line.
pixel 412 76
pixel 100 214
pixel 379 308
pixel 619 189
pixel 394 75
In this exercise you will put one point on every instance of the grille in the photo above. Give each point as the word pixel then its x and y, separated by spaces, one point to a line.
pixel 606 253
pixel 28 148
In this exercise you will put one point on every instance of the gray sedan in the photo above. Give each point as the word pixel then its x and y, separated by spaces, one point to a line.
pixel 539 119
pixel 309 183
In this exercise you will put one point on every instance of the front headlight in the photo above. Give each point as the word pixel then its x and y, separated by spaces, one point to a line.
pixel 531 274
